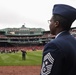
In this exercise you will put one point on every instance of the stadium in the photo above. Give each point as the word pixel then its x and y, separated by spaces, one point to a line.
pixel 29 39
pixel 12 40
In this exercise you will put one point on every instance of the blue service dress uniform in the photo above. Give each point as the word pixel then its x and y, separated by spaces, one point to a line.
pixel 59 56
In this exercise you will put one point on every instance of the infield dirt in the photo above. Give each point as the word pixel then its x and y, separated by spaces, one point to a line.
pixel 20 70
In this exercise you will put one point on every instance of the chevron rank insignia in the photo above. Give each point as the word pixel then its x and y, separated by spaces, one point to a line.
pixel 47 64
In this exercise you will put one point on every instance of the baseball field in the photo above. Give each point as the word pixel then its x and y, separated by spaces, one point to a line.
pixel 12 63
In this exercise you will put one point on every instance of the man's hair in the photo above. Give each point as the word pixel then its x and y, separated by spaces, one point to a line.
pixel 65 24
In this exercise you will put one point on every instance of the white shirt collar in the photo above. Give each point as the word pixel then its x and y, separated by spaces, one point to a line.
pixel 58 34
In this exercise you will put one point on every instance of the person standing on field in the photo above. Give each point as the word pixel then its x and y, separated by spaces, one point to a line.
pixel 23 54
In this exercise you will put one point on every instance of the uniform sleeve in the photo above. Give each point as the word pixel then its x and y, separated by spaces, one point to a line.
pixel 52 60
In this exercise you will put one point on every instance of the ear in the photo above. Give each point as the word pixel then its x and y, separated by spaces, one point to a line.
pixel 57 24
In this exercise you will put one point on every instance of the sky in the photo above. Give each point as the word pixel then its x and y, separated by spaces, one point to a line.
pixel 32 13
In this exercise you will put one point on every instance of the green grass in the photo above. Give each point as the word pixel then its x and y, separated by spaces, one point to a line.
pixel 15 59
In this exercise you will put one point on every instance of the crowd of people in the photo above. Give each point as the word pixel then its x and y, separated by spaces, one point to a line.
pixel 16 49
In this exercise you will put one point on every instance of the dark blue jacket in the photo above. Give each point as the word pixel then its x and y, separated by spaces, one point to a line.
pixel 59 56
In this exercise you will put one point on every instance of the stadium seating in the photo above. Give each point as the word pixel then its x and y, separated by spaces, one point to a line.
pixel 31 41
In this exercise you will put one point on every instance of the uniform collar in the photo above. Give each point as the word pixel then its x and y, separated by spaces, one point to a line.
pixel 59 34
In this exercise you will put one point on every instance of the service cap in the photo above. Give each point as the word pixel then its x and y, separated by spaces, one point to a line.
pixel 66 11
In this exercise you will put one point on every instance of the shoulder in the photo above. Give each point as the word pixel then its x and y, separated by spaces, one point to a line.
pixel 53 49
pixel 54 42
pixel 51 46
pixel 54 46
